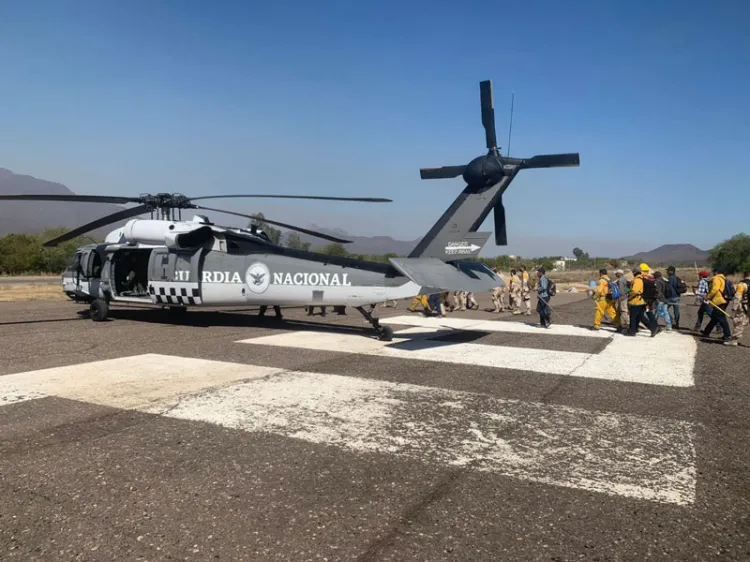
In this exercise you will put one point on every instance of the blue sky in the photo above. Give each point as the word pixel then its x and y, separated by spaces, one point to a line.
pixel 351 98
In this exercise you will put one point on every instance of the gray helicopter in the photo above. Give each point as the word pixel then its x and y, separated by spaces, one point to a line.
pixel 195 263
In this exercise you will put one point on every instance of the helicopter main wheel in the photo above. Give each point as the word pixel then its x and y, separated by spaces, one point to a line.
pixel 98 310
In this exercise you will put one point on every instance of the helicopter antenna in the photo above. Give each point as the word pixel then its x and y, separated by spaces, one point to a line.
pixel 510 127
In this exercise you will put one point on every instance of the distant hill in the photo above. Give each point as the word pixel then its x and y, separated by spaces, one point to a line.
pixel 362 244
pixel 30 217
pixel 672 254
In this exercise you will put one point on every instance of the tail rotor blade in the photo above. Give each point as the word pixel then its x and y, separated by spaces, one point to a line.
pixel 277 223
pixel 488 112
pixel 443 172
pixel 552 161
pixel 104 221
pixel 501 235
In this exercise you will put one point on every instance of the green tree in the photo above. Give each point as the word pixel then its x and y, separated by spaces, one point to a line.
pixel 294 241
pixel 732 254
pixel 273 233
pixel 335 249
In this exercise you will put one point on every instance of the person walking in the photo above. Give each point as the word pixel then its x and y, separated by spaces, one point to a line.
pixel 663 294
pixel 604 301
pixel 543 298
pixel 637 306
pixel 515 292
pixel 739 309
pixel 498 293
pixel 678 288
pixel 525 291
pixel 622 302
pixel 700 299
pixel 718 303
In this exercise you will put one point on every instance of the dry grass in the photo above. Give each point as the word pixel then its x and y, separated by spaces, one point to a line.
pixel 11 292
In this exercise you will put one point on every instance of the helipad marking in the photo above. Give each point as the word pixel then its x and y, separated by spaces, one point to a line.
pixel 127 382
pixel 640 457
pixel 634 456
pixel 666 360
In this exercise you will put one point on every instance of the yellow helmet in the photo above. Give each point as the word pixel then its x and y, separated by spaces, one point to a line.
pixel 645 268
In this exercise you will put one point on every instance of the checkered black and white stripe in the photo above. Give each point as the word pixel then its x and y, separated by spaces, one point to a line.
pixel 174 292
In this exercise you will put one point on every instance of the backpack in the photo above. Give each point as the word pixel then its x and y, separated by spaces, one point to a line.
pixel 551 288
pixel 649 290
pixel 729 291
pixel 668 289
pixel 614 290
pixel 681 286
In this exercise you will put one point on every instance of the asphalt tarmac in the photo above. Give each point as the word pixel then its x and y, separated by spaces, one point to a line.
pixel 479 436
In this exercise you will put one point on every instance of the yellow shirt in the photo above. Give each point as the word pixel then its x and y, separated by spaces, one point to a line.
pixel 635 296
pixel 603 288
pixel 717 288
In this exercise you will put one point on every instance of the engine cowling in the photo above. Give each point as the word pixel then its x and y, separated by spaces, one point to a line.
pixel 158 232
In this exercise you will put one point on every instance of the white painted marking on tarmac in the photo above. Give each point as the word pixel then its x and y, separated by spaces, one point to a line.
pixel 666 360
pixel 619 454
pixel 128 382
pixel 417 345
pixel 494 326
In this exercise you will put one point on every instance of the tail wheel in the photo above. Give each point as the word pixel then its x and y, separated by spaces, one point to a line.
pixel 99 309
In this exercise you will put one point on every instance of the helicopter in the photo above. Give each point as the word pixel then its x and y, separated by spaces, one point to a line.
pixel 180 264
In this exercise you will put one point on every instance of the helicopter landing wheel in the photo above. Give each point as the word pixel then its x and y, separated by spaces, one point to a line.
pixel 98 310
pixel 385 333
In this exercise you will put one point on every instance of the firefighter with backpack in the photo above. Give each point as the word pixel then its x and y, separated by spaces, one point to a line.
pixel 739 309
pixel 722 292
pixel 605 296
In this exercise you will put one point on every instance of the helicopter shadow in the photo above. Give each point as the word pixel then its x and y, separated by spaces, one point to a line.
pixel 233 319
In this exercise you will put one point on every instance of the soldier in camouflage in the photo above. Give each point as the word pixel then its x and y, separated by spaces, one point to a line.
pixel 515 292
pixel 739 309
pixel 498 293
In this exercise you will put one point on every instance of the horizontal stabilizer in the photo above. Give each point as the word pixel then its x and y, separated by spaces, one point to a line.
pixel 443 172
pixel 436 276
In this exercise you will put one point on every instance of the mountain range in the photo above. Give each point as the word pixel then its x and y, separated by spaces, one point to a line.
pixel 672 254
pixel 32 218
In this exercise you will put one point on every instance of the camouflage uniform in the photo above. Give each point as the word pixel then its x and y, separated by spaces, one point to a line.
pixel 515 293
pixel 499 292
pixel 525 292
pixel 739 310
pixel 448 301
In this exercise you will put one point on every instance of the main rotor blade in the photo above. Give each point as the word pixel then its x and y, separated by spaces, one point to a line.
pixel 488 112
pixel 282 224
pixel 73 198
pixel 104 221
pixel 319 197
pixel 552 161
pixel 441 173
pixel 501 235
